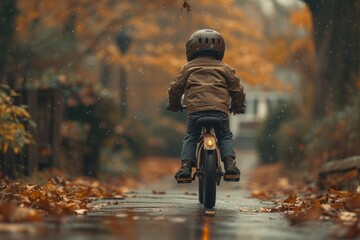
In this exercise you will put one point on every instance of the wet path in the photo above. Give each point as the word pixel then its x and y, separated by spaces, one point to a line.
pixel 167 210
pixel 173 215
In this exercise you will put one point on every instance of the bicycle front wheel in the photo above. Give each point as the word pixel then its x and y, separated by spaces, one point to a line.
pixel 209 179
pixel 200 189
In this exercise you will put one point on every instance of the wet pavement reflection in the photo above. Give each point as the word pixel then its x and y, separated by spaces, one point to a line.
pixel 166 210
pixel 173 215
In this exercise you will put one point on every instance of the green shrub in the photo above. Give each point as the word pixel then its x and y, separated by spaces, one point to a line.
pixel 282 138
pixel 288 136
pixel 266 141
pixel 167 136
pixel 290 142
pixel 336 136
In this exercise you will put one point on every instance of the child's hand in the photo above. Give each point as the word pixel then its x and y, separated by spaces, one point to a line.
pixel 240 110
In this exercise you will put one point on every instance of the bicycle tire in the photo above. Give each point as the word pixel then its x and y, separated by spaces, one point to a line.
pixel 209 180
pixel 200 189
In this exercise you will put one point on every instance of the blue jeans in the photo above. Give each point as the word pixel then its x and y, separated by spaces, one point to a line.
pixel 223 134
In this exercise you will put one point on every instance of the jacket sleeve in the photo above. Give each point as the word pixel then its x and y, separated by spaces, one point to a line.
pixel 177 88
pixel 236 90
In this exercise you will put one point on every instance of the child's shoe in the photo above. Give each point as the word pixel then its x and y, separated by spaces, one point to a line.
pixel 232 173
pixel 183 175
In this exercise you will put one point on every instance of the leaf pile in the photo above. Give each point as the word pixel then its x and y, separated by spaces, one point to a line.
pixel 303 202
pixel 57 197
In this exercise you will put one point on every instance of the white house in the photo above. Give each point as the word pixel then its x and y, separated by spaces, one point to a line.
pixel 258 104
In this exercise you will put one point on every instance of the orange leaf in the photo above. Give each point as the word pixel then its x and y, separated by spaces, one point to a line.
pixel 340 194
pixel 290 199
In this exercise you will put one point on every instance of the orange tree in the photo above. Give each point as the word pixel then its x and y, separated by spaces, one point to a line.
pixel 52 47
pixel 158 27
pixel 77 37
pixel 64 43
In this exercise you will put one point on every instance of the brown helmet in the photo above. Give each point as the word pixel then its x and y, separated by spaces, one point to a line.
pixel 206 42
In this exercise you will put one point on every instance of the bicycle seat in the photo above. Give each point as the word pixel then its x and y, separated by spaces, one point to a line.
pixel 208 122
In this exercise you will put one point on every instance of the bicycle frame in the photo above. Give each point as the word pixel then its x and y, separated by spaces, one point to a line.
pixel 208 161
pixel 207 142
pixel 208 167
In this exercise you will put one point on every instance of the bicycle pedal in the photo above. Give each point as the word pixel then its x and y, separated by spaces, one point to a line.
pixel 231 178
pixel 184 180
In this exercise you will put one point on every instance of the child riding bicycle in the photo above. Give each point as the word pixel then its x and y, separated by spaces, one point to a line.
pixel 209 86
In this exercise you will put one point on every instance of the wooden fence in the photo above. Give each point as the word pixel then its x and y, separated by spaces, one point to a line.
pixel 46 108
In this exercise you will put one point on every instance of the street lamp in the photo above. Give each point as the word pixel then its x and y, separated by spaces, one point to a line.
pixel 123 41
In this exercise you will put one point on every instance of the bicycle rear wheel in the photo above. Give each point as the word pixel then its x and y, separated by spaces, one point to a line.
pixel 209 179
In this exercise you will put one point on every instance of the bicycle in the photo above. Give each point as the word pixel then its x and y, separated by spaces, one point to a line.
pixel 208 162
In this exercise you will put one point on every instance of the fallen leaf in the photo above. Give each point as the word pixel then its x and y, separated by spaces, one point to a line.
pixel 190 193
pixel 326 207
pixel 337 194
pixel 353 202
pixel 291 199
pixel 81 211
pixel 347 217
pixel 243 209
pixel 262 195
pixel 158 192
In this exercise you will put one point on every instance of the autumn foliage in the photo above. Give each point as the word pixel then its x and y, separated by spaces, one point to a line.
pixel 303 202
pixel 159 31
pixel 13 120
pixel 24 201
pixel 56 197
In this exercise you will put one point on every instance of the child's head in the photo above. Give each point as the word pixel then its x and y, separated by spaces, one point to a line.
pixel 205 42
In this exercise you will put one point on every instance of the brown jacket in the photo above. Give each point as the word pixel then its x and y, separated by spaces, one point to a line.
pixel 207 84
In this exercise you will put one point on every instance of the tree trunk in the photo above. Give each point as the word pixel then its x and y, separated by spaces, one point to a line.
pixel 337 39
pixel 8 13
